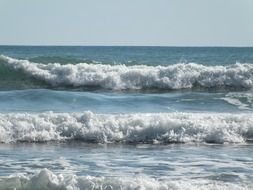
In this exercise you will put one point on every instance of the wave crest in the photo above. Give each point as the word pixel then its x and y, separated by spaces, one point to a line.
pixel 119 77
pixel 46 179
pixel 126 128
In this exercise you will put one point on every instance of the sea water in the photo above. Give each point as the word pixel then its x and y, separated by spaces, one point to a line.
pixel 126 117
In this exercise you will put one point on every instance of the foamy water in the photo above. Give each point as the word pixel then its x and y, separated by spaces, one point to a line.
pixel 126 128
pixel 126 118
pixel 91 166
pixel 45 179
pixel 118 77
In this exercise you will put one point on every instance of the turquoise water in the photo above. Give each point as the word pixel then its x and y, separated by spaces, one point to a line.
pixel 126 118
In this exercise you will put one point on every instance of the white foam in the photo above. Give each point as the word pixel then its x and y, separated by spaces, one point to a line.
pixel 127 128
pixel 176 76
pixel 46 179
pixel 236 102
pixel 243 100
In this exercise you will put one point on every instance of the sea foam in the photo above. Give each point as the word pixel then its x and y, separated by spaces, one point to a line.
pixel 46 179
pixel 119 77
pixel 242 100
pixel 126 128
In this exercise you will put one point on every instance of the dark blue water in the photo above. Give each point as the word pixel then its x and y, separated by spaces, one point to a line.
pixel 131 55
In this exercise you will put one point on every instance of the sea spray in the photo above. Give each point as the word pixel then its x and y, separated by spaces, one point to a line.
pixel 120 77
pixel 126 128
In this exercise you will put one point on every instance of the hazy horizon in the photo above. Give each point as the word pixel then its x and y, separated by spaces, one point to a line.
pixel 165 46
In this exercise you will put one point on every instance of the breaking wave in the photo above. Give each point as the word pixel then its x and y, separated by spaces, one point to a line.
pixel 153 128
pixel 46 179
pixel 120 77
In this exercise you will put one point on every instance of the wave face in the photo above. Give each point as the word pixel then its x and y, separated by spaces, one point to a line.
pixel 126 128
pixel 46 179
pixel 120 77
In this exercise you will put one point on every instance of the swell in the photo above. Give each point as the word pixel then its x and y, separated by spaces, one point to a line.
pixel 121 77
pixel 59 59
pixel 126 128
pixel 46 179
pixel 11 78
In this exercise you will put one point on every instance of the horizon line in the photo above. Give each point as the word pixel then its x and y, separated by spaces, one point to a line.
pixel 174 46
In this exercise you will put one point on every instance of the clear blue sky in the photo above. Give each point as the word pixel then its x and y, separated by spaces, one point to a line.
pixel 127 22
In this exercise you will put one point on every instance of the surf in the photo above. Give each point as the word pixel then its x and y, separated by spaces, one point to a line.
pixel 122 77
pixel 150 128
pixel 46 179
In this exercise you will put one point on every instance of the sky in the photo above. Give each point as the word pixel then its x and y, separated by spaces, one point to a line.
pixel 127 22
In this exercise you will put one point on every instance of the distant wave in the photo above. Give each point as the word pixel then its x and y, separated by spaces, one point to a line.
pixel 46 179
pixel 126 128
pixel 120 77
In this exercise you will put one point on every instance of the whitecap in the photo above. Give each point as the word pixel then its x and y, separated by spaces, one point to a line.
pixel 119 77
pixel 127 128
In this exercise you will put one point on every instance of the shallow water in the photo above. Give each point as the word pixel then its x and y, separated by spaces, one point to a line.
pixel 170 163
pixel 126 118
pixel 124 102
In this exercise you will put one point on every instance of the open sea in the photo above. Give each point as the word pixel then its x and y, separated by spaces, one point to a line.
pixel 126 118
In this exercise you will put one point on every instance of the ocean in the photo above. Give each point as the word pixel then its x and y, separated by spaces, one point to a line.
pixel 129 118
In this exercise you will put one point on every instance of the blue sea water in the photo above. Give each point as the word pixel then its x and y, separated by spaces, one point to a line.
pixel 126 117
